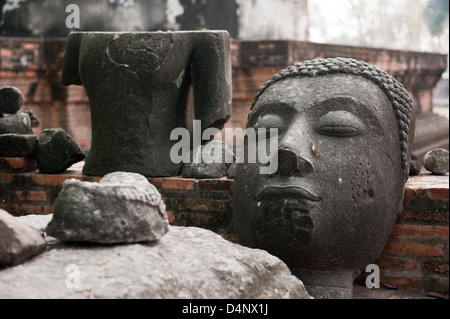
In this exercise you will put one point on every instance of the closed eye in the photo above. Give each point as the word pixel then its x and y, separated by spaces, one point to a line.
pixel 340 124
pixel 270 121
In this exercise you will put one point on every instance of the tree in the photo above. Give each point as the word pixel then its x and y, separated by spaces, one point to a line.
pixel 435 15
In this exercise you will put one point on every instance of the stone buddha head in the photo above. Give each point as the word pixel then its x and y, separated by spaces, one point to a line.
pixel 345 130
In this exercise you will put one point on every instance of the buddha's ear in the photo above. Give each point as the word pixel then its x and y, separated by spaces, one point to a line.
pixel 70 74
pixel 411 133
pixel 211 75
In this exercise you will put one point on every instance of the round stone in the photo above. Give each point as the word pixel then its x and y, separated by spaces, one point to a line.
pixel 11 99
pixel 436 161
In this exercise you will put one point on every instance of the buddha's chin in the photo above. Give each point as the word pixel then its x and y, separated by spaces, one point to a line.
pixel 283 225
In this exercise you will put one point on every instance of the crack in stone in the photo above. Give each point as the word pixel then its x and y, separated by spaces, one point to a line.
pixel 166 54
pixel 116 37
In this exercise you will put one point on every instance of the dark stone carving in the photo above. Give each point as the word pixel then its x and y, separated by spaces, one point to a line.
pixel 415 165
pixel 345 135
pixel 18 123
pixel 17 145
pixel 56 151
pixel 11 99
pixel 211 161
pixel 137 84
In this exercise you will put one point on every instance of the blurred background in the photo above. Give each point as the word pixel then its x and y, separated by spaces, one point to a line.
pixel 407 38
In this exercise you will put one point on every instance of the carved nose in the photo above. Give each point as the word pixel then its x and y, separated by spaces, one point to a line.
pixel 291 163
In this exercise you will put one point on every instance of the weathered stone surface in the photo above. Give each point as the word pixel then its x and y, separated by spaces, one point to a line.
pixel 18 241
pixel 209 161
pixel 121 208
pixel 56 151
pixel 38 222
pixel 11 99
pixel 186 263
pixel 18 123
pixel 17 145
pixel 132 124
pixel 437 161
pixel 327 211
pixel 414 166
pixel 231 172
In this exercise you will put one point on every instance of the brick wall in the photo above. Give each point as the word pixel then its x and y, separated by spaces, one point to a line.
pixel 417 253
pixel 416 256
pixel 34 66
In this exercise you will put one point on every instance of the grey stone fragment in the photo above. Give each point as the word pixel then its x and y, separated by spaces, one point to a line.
pixel 121 208
pixel 36 221
pixel 56 151
pixel 231 172
pixel 17 145
pixel 414 166
pixel 190 263
pixel 18 241
pixel 11 99
pixel 436 161
pixel 18 123
pixel 209 161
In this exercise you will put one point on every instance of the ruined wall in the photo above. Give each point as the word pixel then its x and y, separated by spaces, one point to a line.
pixel 415 257
pixel 34 66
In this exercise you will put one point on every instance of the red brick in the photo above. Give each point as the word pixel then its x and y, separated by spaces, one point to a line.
pixel 421 231
pixel 30 46
pixel 438 267
pixel 49 180
pixel 58 179
pixel 402 282
pixel 15 163
pixel 410 195
pixel 437 193
pixel 170 216
pixel 11 208
pixel 198 204
pixel 397 263
pixel 412 248
pixel 31 195
pixel 185 184
pixel 268 46
pixel 222 184
pixel 437 286
pixel 431 214
pixel 6 177
pixel 26 209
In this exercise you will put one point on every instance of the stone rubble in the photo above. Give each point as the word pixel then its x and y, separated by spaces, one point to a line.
pixel 437 161
pixel 18 241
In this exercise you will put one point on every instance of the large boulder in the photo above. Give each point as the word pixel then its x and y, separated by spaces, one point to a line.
pixel 121 208
pixel 187 262
pixel 18 241
pixel 56 151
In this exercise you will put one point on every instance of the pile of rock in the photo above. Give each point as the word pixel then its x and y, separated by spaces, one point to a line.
pixel 117 243
pixel 54 149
